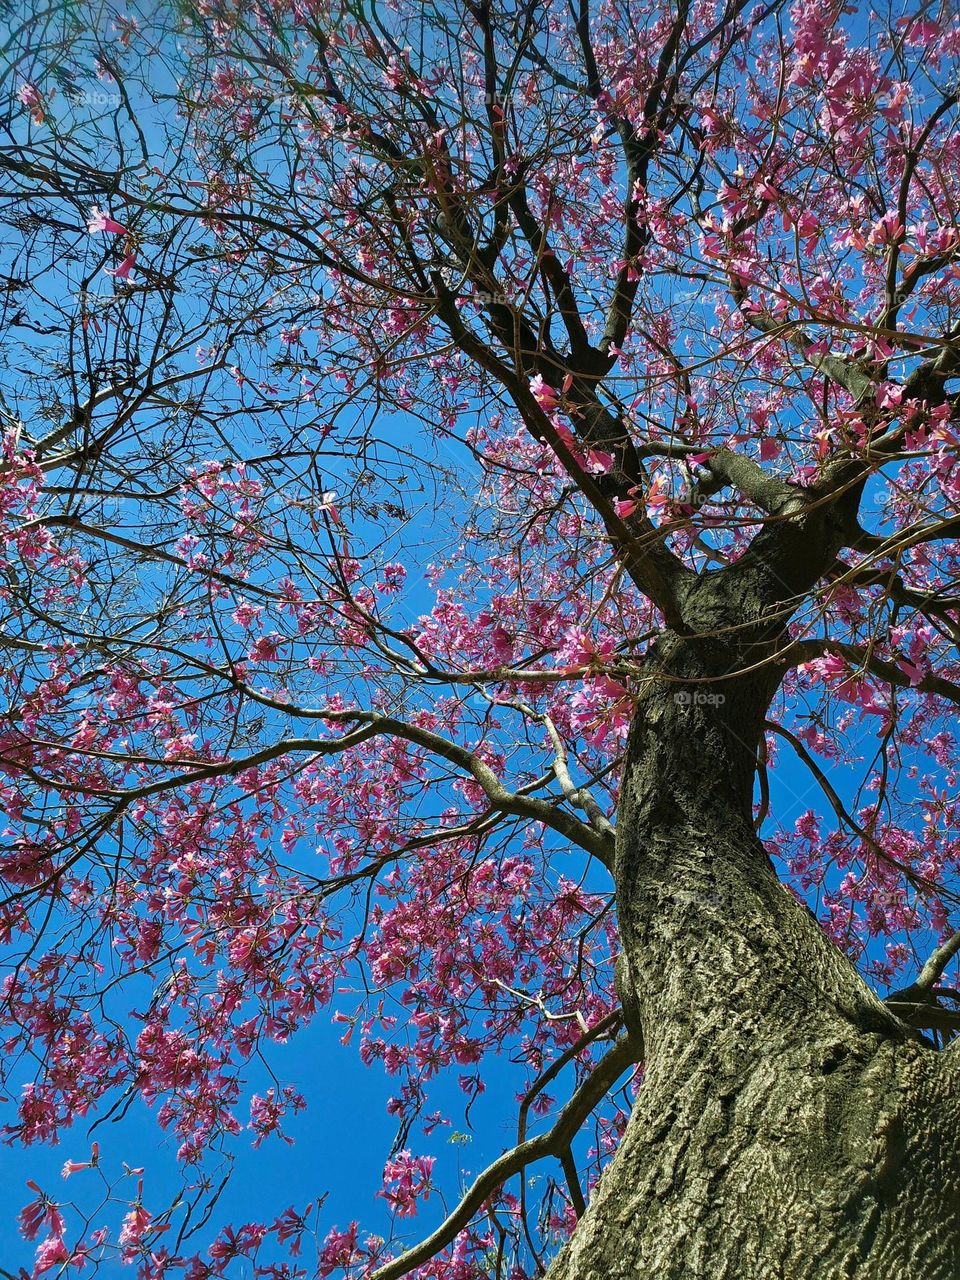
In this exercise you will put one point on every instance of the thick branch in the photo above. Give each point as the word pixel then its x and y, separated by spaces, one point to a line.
pixel 770 494
pixel 370 724
pixel 932 971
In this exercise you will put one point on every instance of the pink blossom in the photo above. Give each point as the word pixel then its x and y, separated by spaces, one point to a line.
pixel 408 1177
pixel 137 1225
pixel 887 230
pixel 340 1250
pixel 30 97
pixel 600 462
pixel 50 1254
pixel 544 394
pixel 123 271
pixel 37 1213
pixel 266 648
pixel 74 1166
pixel 920 32
pixel 769 448
pixel 911 669
pixel 889 395
pixel 99 221
pixel 247 615
pixel 658 494
pixel 327 503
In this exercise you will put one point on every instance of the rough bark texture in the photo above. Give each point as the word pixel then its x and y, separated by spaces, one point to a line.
pixel 788 1124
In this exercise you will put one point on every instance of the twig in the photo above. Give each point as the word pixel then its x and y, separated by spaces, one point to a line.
pixel 554 1143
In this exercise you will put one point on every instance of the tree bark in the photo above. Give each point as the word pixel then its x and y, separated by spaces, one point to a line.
pixel 788 1125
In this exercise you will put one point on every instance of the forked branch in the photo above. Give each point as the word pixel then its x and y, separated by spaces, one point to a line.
pixel 556 1143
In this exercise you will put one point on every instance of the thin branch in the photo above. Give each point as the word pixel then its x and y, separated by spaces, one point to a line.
pixel 569 1166
pixel 556 1142
pixel 847 819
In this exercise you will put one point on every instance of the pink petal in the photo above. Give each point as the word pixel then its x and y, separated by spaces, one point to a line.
pixel 121 272
pixel 100 221
pixel 769 448
pixel 910 669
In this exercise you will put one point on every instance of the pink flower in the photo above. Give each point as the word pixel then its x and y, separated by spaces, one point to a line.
pixel 887 230
pixel 38 1212
pixel 920 32
pixel 911 670
pixel 829 667
pixel 50 1253
pixel 99 221
pixel 289 1225
pixel 29 95
pixel 809 230
pixel 327 504
pixel 121 272
pixel 137 1225
pixel 410 1176
pixel 247 615
pixel 766 189
pixel 266 649
pixel 544 394
pixel 624 507
pixel 769 448
pixel 340 1249
pixel 657 496
pixel 899 97
pixel 600 461
pixel 566 437
pixel 889 395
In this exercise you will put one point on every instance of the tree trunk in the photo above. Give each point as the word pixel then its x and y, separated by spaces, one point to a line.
pixel 788 1124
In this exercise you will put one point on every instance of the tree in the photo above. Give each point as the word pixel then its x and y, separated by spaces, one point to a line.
pixel 510 430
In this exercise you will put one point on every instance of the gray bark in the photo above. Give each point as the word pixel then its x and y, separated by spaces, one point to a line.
pixel 788 1125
